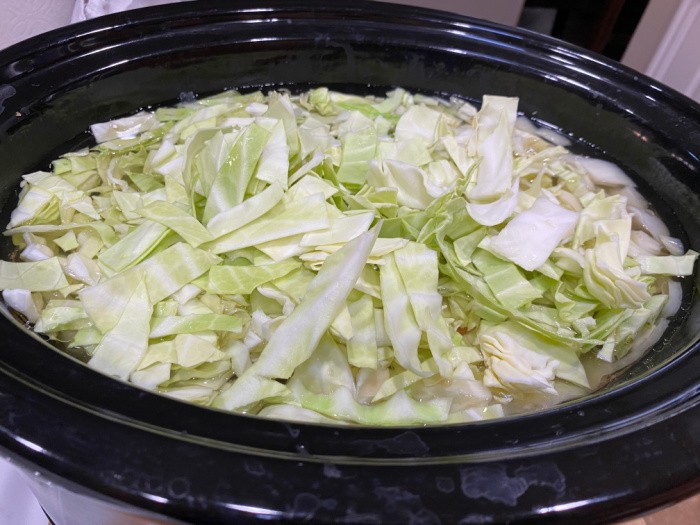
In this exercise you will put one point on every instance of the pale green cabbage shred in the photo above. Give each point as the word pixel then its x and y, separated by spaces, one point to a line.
pixel 335 258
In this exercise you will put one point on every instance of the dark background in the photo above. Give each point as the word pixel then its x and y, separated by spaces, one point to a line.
pixel 603 26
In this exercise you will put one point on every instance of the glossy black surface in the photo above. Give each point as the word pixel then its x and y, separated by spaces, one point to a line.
pixel 628 449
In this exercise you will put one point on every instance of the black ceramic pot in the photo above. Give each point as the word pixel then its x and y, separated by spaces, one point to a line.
pixel 99 451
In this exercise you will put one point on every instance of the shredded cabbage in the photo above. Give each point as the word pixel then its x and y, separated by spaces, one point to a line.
pixel 345 259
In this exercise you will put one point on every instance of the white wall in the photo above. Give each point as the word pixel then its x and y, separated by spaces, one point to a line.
pixel 20 19
pixel 666 45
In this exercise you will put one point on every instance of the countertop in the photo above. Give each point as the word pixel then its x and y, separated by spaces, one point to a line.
pixel 684 513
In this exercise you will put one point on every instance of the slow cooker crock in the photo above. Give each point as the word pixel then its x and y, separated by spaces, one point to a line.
pixel 96 450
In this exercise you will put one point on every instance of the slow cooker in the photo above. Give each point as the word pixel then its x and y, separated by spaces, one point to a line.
pixel 96 450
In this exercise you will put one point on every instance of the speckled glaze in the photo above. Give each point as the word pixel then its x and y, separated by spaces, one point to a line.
pixel 96 449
